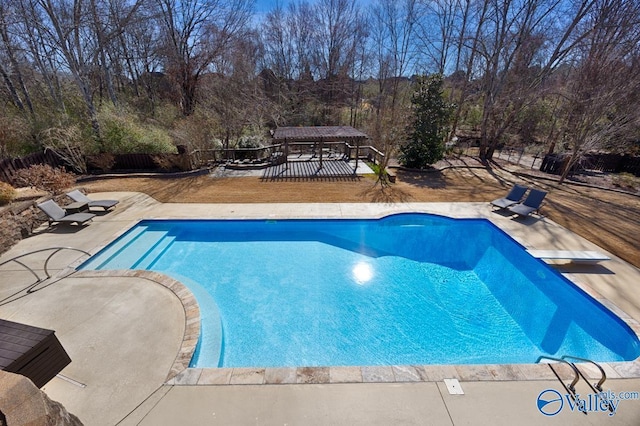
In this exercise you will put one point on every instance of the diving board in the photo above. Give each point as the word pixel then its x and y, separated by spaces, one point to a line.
pixel 575 256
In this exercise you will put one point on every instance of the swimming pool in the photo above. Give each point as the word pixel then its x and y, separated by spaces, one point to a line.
pixel 405 289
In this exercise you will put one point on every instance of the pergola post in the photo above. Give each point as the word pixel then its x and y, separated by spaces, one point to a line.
pixel 321 145
pixel 357 154
pixel 286 154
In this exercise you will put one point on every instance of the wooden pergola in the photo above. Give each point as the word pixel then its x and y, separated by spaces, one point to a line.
pixel 320 135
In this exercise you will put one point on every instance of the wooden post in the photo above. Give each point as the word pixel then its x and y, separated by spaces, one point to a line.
pixel 286 154
pixel 357 155
pixel 321 145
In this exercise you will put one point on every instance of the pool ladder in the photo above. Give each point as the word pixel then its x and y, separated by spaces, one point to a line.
pixel 577 374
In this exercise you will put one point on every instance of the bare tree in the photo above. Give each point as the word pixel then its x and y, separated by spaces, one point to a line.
pixel 394 26
pixel 19 92
pixel 442 15
pixel 338 32
pixel 140 50
pixel 280 43
pixel 195 33
pixel 234 91
pixel 472 19
pixel 393 40
pixel 39 51
pixel 337 23
pixel 317 51
pixel 603 87
pixel 66 25
pixel 514 54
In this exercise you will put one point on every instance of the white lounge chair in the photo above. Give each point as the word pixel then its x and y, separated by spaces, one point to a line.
pixel 78 196
pixel 575 256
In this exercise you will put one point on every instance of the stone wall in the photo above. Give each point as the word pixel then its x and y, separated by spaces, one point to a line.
pixel 19 219
pixel 22 403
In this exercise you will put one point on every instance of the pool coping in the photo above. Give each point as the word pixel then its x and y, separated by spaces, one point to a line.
pixel 182 375
pixel 186 298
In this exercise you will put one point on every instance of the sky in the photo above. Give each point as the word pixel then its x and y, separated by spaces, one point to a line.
pixel 263 6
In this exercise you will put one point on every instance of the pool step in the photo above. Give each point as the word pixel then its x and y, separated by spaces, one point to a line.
pixel 140 240
pixel 148 260
pixel 98 261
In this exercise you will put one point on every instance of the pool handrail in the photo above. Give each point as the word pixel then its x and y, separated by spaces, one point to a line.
pixel 603 377
pixel 576 374
pixel 46 262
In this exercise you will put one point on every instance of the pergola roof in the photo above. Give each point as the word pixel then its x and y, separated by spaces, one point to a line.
pixel 318 133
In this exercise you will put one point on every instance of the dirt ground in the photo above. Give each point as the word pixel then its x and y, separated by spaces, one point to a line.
pixel 608 218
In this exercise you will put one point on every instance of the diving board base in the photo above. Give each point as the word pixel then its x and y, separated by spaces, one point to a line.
pixel 575 256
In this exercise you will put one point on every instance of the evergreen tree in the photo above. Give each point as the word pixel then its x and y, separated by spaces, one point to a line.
pixel 431 118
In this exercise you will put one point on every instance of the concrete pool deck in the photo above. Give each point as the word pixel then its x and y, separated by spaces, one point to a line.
pixel 126 336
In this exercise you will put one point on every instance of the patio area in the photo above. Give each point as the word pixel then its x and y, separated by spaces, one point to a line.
pixel 129 337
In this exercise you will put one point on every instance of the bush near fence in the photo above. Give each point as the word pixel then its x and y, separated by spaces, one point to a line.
pixel 101 163
pixel 9 166
pixel 138 162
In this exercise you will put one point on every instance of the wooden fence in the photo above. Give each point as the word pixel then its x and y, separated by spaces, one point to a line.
pixel 138 162
pixel 100 163
pixel 202 157
pixel 611 163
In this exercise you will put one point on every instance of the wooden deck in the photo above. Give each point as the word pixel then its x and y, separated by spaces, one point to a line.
pixel 310 169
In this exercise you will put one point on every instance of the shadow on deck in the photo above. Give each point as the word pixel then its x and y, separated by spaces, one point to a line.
pixel 331 170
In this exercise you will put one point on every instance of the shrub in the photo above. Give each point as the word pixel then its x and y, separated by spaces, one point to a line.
pixel 103 161
pixel 69 144
pixel 626 181
pixel 15 139
pixel 169 162
pixel 250 142
pixel 196 131
pixel 378 170
pixel 46 178
pixel 154 140
pixel 7 193
pixel 123 134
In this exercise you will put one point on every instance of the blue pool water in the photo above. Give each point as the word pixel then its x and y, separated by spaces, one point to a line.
pixel 404 289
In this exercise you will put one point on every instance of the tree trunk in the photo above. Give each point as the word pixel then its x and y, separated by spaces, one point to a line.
pixel 469 70
pixel 570 163
pixel 188 103
pixel 16 71
pixel 11 88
